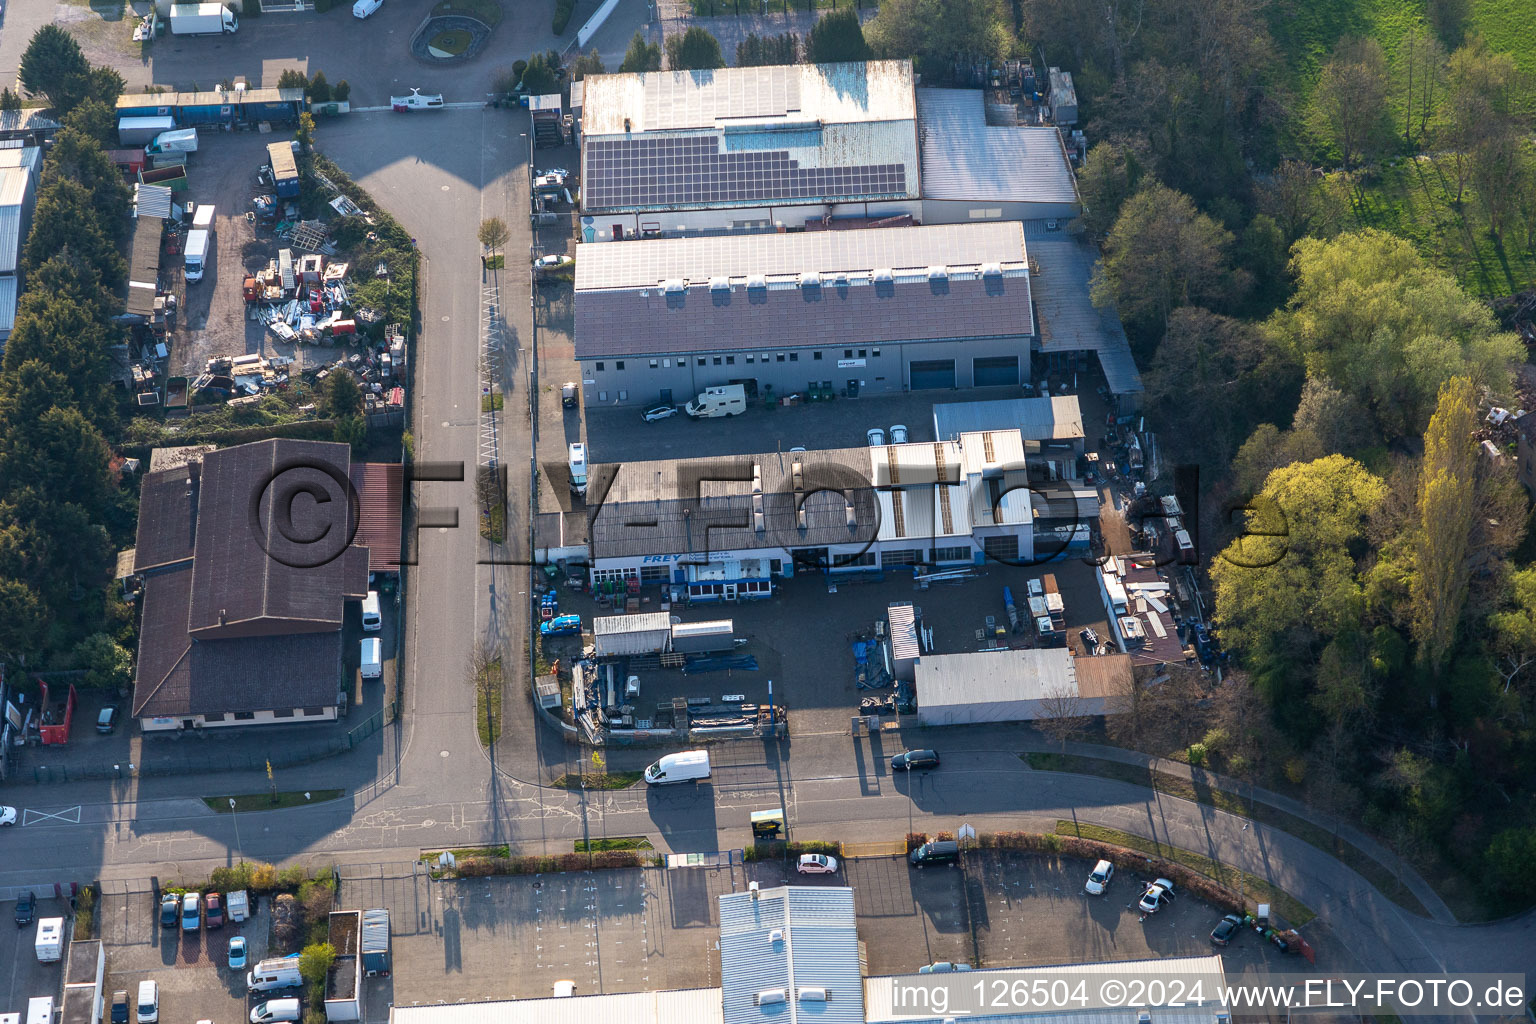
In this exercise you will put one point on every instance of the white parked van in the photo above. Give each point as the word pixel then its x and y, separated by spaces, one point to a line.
pixel 39 1010
pixel 726 400
pixel 373 658
pixel 372 621
pixel 148 1006
pixel 275 973
pixel 576 457
pixel 689 766
pixel 274 1010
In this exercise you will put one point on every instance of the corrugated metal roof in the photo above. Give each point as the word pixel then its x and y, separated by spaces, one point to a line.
pixel 380 488
pixel 847 93
pixel 644 622
pixel 903 621
pixel 1069 321
pixel 648 262
pixel 966 158
pixel 17 155
pixel 375 931
pixel 29 120
pixel 144 265
pixel 714 627
pixel 985 677
pixel 151 201
pixel 1053 418
pixel 790 938
pixel 7 304
pixel 15 191
pixel 880 1004
pixel 687 1006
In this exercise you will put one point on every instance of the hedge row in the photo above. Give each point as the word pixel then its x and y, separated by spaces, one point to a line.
pixel 480 867
pixel 563 11
pixel 773 849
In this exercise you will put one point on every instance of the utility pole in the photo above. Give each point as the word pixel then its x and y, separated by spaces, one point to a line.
pixel 236 815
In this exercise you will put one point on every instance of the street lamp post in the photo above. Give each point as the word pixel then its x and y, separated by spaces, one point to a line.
pixel 236 815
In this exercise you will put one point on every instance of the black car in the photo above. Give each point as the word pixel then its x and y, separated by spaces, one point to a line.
pixel 170 910
pixel 26 907
pixel 1226 929
pixel 107 720
pixel 910 759
pixel 120 1007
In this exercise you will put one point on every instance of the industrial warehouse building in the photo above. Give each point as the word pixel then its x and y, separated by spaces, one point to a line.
pixel 724 530
pixel 791 955
pixel 875 309
pixel 1016 686
pixel 747 149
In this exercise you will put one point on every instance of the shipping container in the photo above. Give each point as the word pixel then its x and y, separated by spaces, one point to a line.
pixel 140 131
pixel 375 944
pixel 285 170
pixel 621 635
pixel 704 637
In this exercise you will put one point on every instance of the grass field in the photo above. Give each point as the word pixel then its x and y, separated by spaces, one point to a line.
pixel 265 801
pixel 1509 26
pixel 613 843
pixel 597 780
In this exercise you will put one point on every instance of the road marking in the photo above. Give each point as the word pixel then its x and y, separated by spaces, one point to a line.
pixel 33 817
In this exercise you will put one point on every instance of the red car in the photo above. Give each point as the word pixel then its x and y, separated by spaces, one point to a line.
pixel 213 911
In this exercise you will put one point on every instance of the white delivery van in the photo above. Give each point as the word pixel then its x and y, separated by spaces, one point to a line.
pixel 149 1002
pixel 50 939
pixel 275 973
pixel 576 456
pixel 196 256
pixel 373 658
pixel 688 766
pixel 726 400
pixel 274 1010
pixel 39 1010
pixel 372 622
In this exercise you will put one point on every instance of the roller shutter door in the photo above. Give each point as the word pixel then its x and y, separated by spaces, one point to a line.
pixel 933 373
pixel 996 371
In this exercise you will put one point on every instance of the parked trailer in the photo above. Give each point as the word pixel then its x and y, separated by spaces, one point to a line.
pixel 285 170
pixel 202 20
pixel 140 131
pixel 173 178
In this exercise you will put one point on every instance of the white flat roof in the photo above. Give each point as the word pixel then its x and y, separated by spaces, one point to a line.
pixel 984 677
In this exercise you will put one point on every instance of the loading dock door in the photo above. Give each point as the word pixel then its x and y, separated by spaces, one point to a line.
pixel 996 371
pixel 933 373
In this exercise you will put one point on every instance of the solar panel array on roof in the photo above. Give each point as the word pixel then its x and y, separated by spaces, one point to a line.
pixel 700 99
pixel 678 171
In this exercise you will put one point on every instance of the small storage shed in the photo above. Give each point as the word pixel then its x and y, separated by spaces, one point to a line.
pixel 618 636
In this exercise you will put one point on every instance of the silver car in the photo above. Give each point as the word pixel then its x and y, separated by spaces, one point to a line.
pixel 658 412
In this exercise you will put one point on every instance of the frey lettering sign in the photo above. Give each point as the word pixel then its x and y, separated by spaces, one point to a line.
pixel 713 556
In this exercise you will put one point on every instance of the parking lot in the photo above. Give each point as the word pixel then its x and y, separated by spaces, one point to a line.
pixel 190 967
pixel 25 978
pixel 655 928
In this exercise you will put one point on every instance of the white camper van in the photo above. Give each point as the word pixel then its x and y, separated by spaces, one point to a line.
pixel 688 766
pixel 576 456
pixel 726 400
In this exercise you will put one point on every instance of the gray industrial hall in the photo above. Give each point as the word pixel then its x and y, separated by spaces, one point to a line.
pixel 864 310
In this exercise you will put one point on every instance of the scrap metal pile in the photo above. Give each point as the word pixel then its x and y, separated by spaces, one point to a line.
pixel 301 301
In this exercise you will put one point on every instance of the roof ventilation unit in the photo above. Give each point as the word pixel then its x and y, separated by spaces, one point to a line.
pixel 840 280
pixel 937 273
pixel 771 996
pixel 777 935
pixel 719 284
pixel 674 285
pixel 810 279
pixel 883 274
pixel 757 281
pixel 814 995
pixel 853 518
pixel 1143 1017
pixel 991 270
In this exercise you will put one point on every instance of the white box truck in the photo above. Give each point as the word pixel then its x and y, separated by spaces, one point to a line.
pixel 238 905
pixel 576 458
pixel 726 400
pixel 688 766
pixel 202 20
pixel 275 973
pixel 50 939
pixel 199 241
pixel 40 1010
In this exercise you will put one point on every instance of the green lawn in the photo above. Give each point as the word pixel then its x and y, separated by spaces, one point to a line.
pixel 613 843
pixel 265 802
pixel 488 703
pixel 597 780
pixel 471 851
pixel 1509 26
pixel 488 11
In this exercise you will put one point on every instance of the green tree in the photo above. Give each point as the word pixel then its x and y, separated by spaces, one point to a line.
pixel 1107 179
pixel 315 961
pixel 837 36
pixel 108 664
pixel 319 88
pixel 9 100
pixel 60 453
pixel 1513 627
pixel 641 56
pixel 342 396
pixel 939 30
pixel 1486 126
pixel 694 50
pixel 54 67
pixel 1368 314
pixel 78 156
pixel 305 132
pixel 1349 102
pixel 1161 254
pixel 1447 504
pixel 352 430
pixel 94 120
pixel 590 63
pixel 104 85
pixel 493 234
pixel 1292 579
pixel 1509 859
pixel 540 77
pixel 25 621
pixel 342 91
pixel 760 51
pixel 293 78
pixel 66 220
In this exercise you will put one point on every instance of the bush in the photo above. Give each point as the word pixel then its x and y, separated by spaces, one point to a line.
pixel 85 913
pixel 1215 741
pixel 915 839
pixel 342 91
pixel 293 876
pixel 1296 770
pixel 108 664
pixel 286 920
pixel 944 837
pixel 479 867
pixel 1197 754
pixel 292 78
pixel 315 961
pixel 263 877
pixel 318 898
pixel 563 10
pixel 319 88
